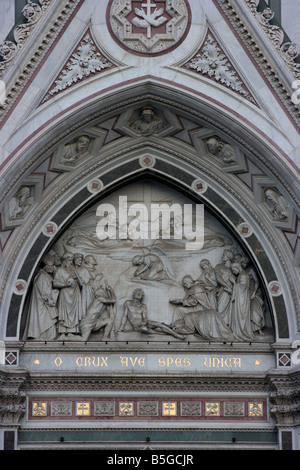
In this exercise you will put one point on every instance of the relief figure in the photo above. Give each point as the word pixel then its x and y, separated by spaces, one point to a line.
pixel 76 150
pixel 20 203
pixel 43 312
pixel 195 298
pixel 277 204
pixel 148 123
pixel 69 300
pixel 135 311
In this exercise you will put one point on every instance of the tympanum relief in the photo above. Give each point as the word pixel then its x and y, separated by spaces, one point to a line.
pixel 131 288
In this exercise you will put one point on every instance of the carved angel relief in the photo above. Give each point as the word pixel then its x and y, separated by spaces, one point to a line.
pixel 134 288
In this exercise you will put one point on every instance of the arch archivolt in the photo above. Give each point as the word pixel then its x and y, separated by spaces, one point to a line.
pixel 232 182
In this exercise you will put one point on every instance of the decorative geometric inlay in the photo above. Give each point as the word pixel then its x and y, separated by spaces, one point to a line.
pixel 83 408
pixel 177 409
pixel 50 229
pixel 125 409
pixel 148 26
pixel 255 409
pixel 95 186
pixel 169 409
pixel 199 186
pixel 210 60
pixel 146 161
pixel 20 287
pixel 85 61
pixel 284 359
pixel 39 409
pixel 212 409
pixel 275 289
pixel 11 358
pixel 245 230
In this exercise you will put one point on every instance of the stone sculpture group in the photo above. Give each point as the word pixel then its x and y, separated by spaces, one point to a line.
pixel 70 300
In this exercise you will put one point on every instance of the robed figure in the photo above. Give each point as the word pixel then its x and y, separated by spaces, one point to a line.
pixel 43 314
pixel 69 301
pixel 241 305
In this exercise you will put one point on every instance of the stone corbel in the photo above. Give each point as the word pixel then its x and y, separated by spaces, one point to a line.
pixel 285 398
pixel 12 395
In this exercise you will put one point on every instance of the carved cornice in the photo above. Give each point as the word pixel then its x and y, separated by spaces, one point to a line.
pixel 33 12
pixel 288 51
pixel 181 384
pixel 270 71
pixel 11 50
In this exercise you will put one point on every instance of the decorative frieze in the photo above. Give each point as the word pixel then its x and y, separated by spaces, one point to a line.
pixel 287 50
pixel 187 409
pixel 33 12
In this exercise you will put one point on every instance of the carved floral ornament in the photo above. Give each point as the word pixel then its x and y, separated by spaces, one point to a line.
pixel 84 62
pixel 288 51
pixel 33 12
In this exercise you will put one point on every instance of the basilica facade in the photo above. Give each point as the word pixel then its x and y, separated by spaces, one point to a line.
pixel 149 227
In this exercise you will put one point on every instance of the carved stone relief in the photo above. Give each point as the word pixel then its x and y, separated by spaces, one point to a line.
pixel 277 204
pixel 85 61
pixel 225 152
pixel 72 153
pixel 20 203
pixel 33 12
pixel 150 27
pixel 212 62
pixel 137 288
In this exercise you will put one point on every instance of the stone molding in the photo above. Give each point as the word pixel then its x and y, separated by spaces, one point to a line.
pixel 287 51
pixel 33 13
pixel 268 69
pixel 16 80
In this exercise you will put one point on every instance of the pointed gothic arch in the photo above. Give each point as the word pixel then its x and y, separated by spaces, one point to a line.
pixel 181 157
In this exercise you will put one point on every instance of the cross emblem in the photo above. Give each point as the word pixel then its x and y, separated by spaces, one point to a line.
pixel 147 18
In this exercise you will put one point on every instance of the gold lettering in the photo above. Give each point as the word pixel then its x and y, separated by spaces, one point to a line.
pixel 228 362
pixel 87 361
pixel 79 361
pixel 141 362
pixel 58 362
pixel 104 361
pixel 178 361
pixel 124 361
pixel 216 361
pixel 169 361
pixel 133 361
pixel 207 362
pixel 236 361
pixel 186 362
pixel 161 362
pixel 94 360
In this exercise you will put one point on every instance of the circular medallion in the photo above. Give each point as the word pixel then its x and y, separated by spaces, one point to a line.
pixel 147 26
